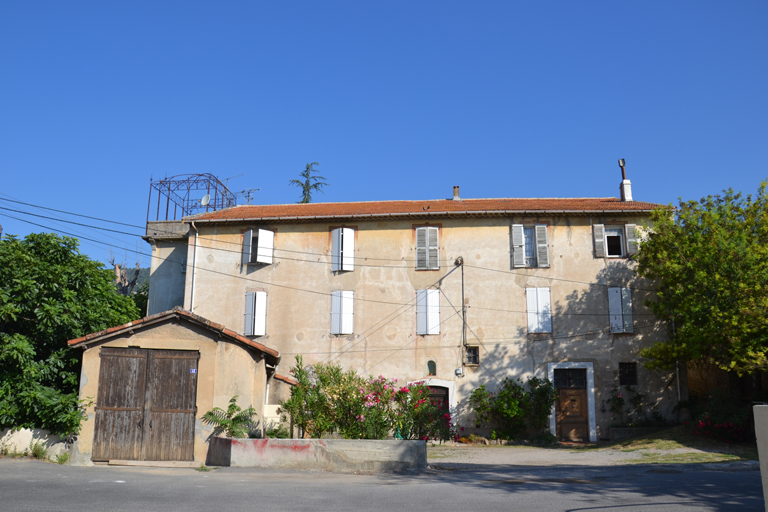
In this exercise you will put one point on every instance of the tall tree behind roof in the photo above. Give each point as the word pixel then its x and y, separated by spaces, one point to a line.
pixel 312 182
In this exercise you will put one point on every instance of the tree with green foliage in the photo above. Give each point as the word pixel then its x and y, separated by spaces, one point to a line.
pixel 311 183
pixel 710 259
pixel 49 293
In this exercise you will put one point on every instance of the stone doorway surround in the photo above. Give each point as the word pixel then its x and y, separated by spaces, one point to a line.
pixel 551 367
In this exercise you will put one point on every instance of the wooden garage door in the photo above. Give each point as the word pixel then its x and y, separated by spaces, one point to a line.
pixel 145 407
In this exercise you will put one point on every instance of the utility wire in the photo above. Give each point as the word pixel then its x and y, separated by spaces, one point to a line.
pixel 524 272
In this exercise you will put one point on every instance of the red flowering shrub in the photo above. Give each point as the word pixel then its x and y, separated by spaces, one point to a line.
pixel 730 432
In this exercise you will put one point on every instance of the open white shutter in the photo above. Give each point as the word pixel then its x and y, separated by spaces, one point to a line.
pixel 247 237
pixel 626 309
pixel 599 233
pixel 615 311
pixel 421 311
pixel 434 248
pixel 542 246
pixel 545 310
pixel 260 314
pixel 421 248
pixel 336 250
pixel 250 304
pixel 518 246
pixel 348 249
pixel 266 246
pixel 532 300
pixel 631 231
pixel 336 312
pixel 347 312
pixel 433 311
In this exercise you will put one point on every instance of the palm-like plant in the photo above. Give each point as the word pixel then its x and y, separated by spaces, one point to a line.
pixel 310 184
pixel 235 421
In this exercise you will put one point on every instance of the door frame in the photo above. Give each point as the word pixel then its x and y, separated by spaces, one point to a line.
pixel 451 385
pixel 551 367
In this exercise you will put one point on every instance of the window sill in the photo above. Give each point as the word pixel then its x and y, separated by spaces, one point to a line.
pixel 472 365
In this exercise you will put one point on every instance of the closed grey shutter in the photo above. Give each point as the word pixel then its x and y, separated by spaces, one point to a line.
pixel 336 312
pixel 545 309
pixel 421 311
pixel 532 301
pixel 518 246
pixel 421 248
pixel 631 230
pixel 599 233
pixel 247 237
pixel 250 303
pixel 542 246
pixel 434 248
pixel 433 311
pixel 260 314
pixel 626 309
pixel 347 312
pixel 336 250
pixel 615 310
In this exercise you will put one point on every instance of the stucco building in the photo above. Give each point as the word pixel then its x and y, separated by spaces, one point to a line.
pixel 546 287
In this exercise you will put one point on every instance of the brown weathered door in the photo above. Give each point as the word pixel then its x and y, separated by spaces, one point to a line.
pixel 169 425
pixel 572 416
pixel 120 404
pixel 145 408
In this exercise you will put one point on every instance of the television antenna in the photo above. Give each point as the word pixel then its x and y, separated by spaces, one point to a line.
pixel 248 194
pixel 205 200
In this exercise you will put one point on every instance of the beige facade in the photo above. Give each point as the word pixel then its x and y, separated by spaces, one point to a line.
pixel 227 366
pixel 384 338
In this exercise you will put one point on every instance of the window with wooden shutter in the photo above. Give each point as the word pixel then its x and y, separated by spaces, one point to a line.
pixel 598 232
pixel 542 246
pixel 631 231
pixel 255 314
pixel 258 246
pixel 518 245
pixel 266 246
pixel 427 312
pixel 427 248
pixel 342 312
pixel 342 249
pixel 539 310
pixel 620 309
pixel 247 241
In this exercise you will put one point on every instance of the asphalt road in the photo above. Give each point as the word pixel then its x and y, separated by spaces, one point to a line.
pixel 30 485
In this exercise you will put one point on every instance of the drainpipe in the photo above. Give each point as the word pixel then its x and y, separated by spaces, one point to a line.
pixel 192 285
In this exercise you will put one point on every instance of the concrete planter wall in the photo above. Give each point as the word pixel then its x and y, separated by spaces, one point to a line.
pixel 20 440
pixel 329 454
pixel 761 433
pixel 616 434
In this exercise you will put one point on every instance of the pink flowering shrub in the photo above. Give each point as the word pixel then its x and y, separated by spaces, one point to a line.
pixel 328 399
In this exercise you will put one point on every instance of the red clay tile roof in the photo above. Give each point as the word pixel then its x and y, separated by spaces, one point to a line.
pixel 438 207
pixel 287 380
pixel 273 356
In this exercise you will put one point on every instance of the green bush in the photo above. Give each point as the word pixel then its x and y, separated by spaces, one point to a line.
pixel 234 422
pixel 512 411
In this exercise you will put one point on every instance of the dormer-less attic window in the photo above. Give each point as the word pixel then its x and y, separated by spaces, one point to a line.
pixel 258 246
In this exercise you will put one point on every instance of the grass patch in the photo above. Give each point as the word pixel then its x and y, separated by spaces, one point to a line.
pixel 684 458
pixel 677 438
pixel 203 468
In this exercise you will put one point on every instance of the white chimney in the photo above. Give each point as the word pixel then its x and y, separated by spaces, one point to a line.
pixel 456 193
pixel 626 185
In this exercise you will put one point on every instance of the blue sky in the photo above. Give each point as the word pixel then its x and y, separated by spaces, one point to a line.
pixel 396 100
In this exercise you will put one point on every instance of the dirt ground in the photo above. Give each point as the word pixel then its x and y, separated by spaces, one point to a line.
pixel 457 455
